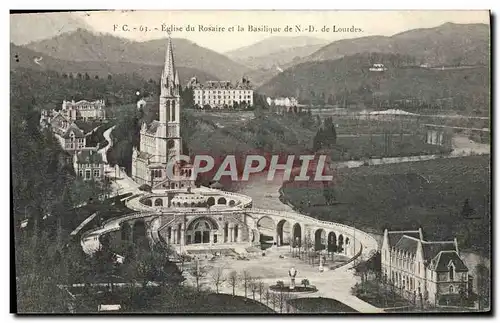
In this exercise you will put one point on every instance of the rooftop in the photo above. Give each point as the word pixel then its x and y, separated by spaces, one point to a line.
pixel 445 258
pixel 89 156
pixel 244 84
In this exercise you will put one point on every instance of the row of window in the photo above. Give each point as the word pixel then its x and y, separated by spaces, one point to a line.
pixel 248 97
pixel 75 146
pixel 223 92
pixel 221 102
pixel 83 166
pixel 88 174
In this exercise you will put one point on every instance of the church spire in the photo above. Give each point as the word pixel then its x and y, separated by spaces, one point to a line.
pixel 169 78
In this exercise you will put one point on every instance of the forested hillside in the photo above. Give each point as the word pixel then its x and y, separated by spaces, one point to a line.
pixel 349 80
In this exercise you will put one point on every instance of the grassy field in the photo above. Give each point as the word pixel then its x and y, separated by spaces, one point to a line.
pixel 320 305
pixel 375 146
pixel 427 194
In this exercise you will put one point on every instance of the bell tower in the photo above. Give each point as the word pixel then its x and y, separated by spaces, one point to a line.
pixel 169 127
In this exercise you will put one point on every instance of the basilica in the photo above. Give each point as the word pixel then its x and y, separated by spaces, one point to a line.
pixel 160 141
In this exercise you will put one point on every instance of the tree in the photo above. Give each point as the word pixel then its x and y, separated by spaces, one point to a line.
pixel 198 273
pixel 254 287
pixel 246 279
pixel 218 278
pixel 233 280
pixel 280 284
pixel 305 282
pixel 260 284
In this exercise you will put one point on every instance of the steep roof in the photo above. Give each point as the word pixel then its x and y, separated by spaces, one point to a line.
pixel 432 248
pixel 73 128
pixel 444 258
pixel 407 244
pixel 395 236
pixel 88 157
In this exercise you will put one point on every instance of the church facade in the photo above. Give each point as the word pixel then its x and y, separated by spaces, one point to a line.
pixel 160 141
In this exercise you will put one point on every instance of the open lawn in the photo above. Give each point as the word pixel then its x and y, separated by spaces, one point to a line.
pixel 379 145
pixel 428 194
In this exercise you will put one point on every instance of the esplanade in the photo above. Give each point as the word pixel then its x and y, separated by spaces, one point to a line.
pixel 214 219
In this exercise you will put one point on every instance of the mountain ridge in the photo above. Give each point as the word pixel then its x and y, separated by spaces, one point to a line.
pixel 27 58
pixel 446 44
pixel 83 45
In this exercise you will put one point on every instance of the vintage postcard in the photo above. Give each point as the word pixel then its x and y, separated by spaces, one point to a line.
pixel 277 162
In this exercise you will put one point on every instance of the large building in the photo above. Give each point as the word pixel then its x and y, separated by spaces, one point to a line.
pixel 69 135
pixel 88 164
pixel 84 110
pixel 425 271
pixel 160 141
pixel 222 94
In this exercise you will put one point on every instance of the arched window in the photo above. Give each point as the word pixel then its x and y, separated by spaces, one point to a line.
pixel 451 289
pixel 451 272
pixel 211 201
pixel 158 202
pixel 173 110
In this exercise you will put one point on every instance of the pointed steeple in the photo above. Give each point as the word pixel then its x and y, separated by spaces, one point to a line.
pixel 176 80
pixel 169 78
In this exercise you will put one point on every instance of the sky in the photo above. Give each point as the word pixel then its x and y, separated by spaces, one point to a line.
pixel 271 23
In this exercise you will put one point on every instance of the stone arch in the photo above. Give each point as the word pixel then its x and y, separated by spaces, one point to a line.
pixel 283 230
pixel 347 241
pixel 236 232
pixel 297 235
pixel 222 200
pixel 185 204
pixel 158 202
pixel 267 228
pixel 200 229
pixel 319 239
pixel 232 203
pixel 332 242
pixel 193 204
pixel 148 202
pixel 340 243
pixel 211 201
